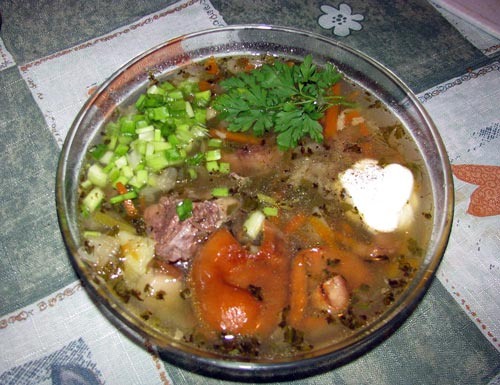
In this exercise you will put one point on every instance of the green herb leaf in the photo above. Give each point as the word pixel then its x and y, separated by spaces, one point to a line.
pixel 287 100
pixel 184 209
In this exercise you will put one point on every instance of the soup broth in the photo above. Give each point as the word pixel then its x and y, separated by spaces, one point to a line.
pixel 239 241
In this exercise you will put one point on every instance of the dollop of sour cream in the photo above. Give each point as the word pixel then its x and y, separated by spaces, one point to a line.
pixel 380 194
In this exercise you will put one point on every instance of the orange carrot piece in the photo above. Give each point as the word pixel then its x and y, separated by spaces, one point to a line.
pixel 323 230
pixel 294 223
pixel 353 114
pixel 331 116
pixel 128 205
pixel 121 188
pixel 298 292
pixel 350 115
pixel 363 129
pixel 237 137
pixel 249 67
pixel 366 148
pixel 203 85
pixel 211 66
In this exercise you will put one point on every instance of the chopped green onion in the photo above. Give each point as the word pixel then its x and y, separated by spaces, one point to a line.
pixel 263 198
pixel 178 105
pixel 106 158
pixel 127 171
pixel 184 209
pixel 212 166
pixel 200 115
pixel 192 173
pixel 93 199
pixel 196 159
pixel 214 143
pixel 161 133
pixel 147 136
pixel 174 156
pixel 175 95
pixel 161 146
pixel 139 179
pixel 123 197
pixel 113 174
pixel 167 86
pixel 212 155
pixel 121 162
pixel 121 179
pixel 157 162
pixel 202 98
pixel 188 87
pixel 140 146
pixel 98 151
pixel 150 149
pixel 91 234
pixel 141 124
pixel 254 223
pixel 219 192
pixel 97 176
pixel 86 184
pixel 121 149
pixel 143 130
pixel 127 126
pixel 189 110
pixel 224 167
pixel 140 102
pixel 270 211
pixel 154 89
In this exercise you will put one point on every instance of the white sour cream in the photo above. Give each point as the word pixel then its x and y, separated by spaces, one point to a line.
pixel 381 194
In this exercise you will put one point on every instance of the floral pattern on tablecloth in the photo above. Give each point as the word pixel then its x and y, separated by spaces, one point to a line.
pixel 485 200
pixel 72 364
pixel 6 59
pixel 468 126
pixel 340 20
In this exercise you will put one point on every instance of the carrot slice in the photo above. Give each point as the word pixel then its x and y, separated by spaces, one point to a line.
pixel 211 66
pixel 353 114
pixel 203 85
pixel 332 116
pixel 323 230
pixel 298 290
pixel 128 205
pixel 295 223
pixel 236 137
pixel 249 67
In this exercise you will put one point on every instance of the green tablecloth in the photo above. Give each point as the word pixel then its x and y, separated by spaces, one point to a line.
pixel 451 338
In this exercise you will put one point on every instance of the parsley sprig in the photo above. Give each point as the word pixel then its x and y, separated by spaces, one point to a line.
pixel 287 100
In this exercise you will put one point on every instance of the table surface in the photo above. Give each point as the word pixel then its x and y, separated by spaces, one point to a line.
pixel 54 53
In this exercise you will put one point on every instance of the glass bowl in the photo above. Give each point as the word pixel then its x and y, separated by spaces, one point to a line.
pixel 124 86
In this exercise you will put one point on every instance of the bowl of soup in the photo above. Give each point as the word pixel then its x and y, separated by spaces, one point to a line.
pixel 256 202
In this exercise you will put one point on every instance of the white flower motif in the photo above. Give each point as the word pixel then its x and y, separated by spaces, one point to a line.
pixel 341 20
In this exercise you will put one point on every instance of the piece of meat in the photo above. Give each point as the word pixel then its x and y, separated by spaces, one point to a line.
pixel 336 292
pixel 179 240
pixel 254 160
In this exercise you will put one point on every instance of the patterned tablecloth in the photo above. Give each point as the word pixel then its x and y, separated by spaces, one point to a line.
pixel 52 56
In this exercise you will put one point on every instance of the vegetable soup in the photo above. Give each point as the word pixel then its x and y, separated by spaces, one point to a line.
pixel 255 206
